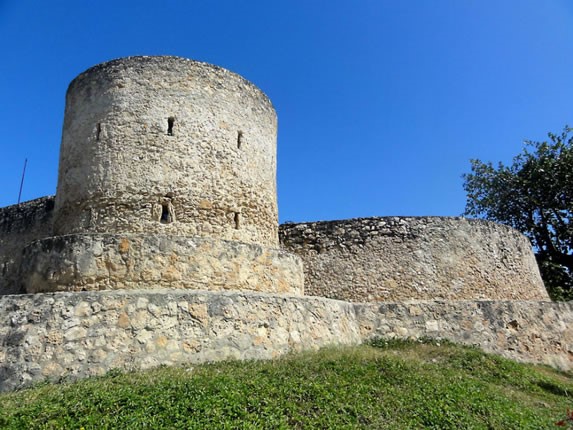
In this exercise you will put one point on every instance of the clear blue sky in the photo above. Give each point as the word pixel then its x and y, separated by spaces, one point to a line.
pixel 381 103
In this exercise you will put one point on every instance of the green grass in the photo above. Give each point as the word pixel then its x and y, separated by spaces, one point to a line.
pixel 396 385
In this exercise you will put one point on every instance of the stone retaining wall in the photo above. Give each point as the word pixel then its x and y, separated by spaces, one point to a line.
pixel 49 336
pixel 55 335
pixel 538 332
pixel 414 258
pixel 19 225
pixel 87 262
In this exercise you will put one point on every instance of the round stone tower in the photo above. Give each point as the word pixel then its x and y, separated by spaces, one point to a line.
pixel 167 178
pixel 165 145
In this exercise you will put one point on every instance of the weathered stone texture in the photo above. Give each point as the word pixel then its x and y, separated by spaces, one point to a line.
pixel 537 332
pixel 49 336
pixel 414 258
pixel 170 146
pixel 167 178
pixel 167 188
pixel 20 224
pixel 109 262
pixel 55 335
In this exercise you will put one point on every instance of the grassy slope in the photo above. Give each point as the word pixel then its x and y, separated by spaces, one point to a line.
pixel 389 385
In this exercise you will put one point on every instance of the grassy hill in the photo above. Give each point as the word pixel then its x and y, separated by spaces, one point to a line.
pixel 394 385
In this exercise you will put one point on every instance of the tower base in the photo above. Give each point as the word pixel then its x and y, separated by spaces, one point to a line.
pixel 93 262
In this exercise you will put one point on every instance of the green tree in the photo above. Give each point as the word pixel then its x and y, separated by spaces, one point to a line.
pixel 535 196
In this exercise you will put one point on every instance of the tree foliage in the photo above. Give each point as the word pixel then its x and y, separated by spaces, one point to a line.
pixel 535 196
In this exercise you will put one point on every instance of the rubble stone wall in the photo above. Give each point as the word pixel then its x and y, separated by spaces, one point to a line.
pixel 535 332
pixel 54 335
pixel 19 225
pixel 49 336
pixel 414 258
pixel 92 262
pixel 168 146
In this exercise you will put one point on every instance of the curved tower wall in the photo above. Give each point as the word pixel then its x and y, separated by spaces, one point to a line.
pixel 167 179
pixel 414 258
pixel 165 145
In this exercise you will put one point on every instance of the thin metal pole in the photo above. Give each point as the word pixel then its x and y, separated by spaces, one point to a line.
pixel 22 181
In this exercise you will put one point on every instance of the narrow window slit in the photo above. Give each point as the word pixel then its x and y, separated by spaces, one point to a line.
pixel 237 220
pixel 166 217
pixel 170 123
pixel 239 139
pixel 98 131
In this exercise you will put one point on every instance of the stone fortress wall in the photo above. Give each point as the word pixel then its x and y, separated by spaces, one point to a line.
pixel 414 258
pixel 167 178
pixel 162 247
pixel 75 335
pixel 19 225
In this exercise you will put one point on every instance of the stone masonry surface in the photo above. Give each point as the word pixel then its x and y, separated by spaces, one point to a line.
pixel 161 246
pixel 414 258
pixel 110 262
pixel 49 336
pixel 167 178
pixel 526 331
pixel 166 145
pixel 19 225
pixel 55 335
